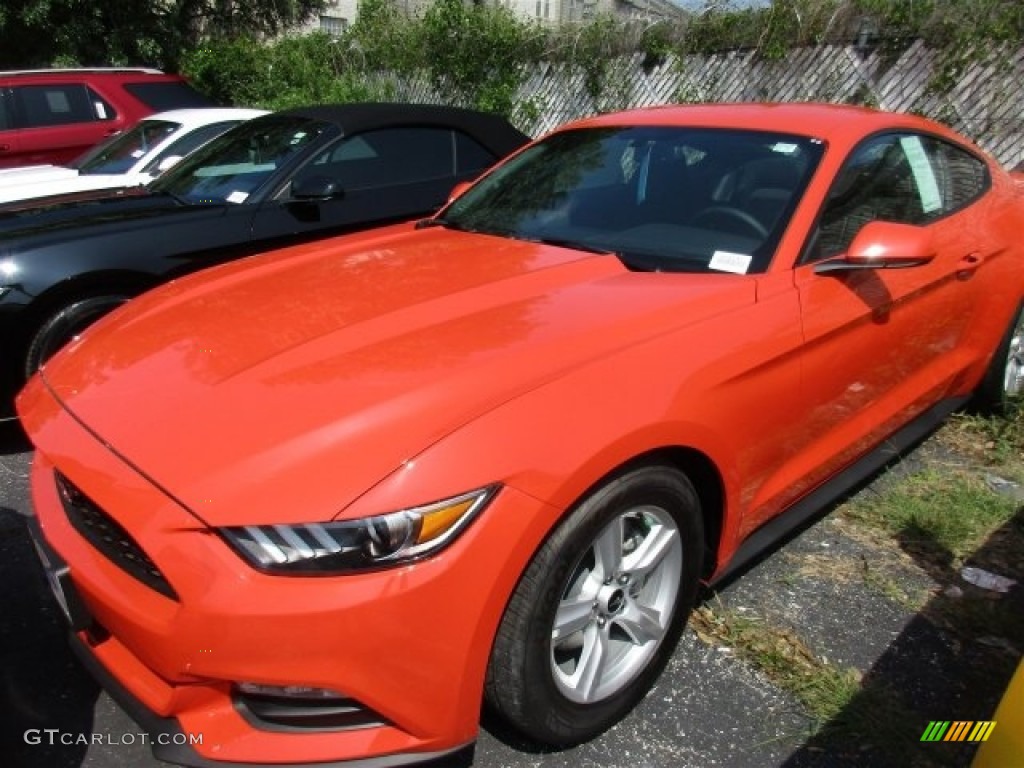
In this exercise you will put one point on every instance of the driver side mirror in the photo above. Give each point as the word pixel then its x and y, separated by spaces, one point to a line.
pixel 883 245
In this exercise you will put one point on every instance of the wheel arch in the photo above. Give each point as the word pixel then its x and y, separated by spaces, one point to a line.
pixel 120 281
pixel 66 292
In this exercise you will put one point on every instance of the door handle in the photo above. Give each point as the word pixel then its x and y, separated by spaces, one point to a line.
pixel 4 147
pixel 968 264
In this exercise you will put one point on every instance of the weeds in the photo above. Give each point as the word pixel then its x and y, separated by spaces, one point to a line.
pixel 940 515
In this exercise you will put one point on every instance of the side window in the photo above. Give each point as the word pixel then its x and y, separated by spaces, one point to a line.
pixel 6 119
pixel 905 178
pixel 386 157
pixel 189 143
pixel 48 105
pixel 101 108
pixel 470 156
pixel 961 177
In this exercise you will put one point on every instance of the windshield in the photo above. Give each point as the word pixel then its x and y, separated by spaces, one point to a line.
pixel 662 198
pixel 234 166
pixel 120 153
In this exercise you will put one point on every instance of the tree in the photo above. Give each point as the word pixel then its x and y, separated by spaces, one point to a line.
pixel 39 33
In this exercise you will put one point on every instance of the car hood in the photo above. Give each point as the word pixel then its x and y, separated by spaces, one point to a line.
pixel 322 368
pixel 29 174
pixel 94 207
pixel 31 189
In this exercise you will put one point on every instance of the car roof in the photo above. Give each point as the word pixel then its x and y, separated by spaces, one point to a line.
pixel 205 115
pixel 493 131
pixel 840 123
pixel 83 71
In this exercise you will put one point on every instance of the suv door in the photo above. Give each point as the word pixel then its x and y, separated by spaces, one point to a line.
pixel 59 121
pixel 10 141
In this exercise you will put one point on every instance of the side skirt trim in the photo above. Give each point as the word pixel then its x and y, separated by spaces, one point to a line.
pixel 817 503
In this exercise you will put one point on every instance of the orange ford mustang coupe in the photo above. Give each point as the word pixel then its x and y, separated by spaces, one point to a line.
pixel 320 504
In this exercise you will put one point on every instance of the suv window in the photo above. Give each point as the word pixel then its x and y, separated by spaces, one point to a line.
pixel 6 119
pixel 46 105
pixel 166 95
pixel 900 177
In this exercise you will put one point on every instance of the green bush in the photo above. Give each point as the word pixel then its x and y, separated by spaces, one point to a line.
pixel 478 55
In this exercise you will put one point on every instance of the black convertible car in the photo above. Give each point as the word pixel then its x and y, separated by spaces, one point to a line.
pixel 290 176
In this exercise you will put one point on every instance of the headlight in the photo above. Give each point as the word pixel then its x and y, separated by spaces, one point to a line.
pixel 314 549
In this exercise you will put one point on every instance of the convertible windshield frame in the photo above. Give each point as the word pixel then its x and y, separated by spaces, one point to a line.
pixel 661 198
pixel 240 165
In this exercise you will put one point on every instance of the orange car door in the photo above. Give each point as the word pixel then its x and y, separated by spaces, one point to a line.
pixel 882 345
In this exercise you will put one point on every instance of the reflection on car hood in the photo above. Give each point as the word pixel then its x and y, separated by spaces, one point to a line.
pixel 345 358
pixel 11 178
pixel 46 215
pixel 34 189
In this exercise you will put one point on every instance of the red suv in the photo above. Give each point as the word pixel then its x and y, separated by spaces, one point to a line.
pixel 53 115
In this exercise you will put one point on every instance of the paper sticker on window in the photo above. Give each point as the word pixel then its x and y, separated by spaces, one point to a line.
pixel 726 261
pixel 101 110
pixel 924 176
pixel 784 148
pixel 237 197
pixel 58 102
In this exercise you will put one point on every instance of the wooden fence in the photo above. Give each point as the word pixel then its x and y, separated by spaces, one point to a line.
pixel 986 103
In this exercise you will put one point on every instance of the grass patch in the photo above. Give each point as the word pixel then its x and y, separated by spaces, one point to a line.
pixel 987 440
pixel 876 573
pixel 822 688
pixel 942 516
pixel 847 714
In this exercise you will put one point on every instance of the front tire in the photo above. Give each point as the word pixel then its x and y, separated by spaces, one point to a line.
pixel 63 325
pixel 599 609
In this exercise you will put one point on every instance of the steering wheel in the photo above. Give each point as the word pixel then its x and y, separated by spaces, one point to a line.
pixel 720 214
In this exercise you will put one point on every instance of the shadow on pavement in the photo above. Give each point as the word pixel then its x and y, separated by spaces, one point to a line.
pixel 42 685
pixel 12 438
pixel 951 662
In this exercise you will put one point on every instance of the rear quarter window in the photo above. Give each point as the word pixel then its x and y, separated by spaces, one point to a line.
pixel 163 96
pixel 6 121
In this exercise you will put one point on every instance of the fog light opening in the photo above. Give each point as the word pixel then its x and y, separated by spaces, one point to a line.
pixel 301 708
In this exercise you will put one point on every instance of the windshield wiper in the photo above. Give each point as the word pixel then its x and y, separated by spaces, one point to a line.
pixel 576 245
pixel 440 221
pixel 436 221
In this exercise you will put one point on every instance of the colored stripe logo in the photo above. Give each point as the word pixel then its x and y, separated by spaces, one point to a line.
pixel 958 730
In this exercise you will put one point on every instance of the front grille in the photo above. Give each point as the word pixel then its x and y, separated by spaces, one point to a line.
pixel 280 713
pixel 103 532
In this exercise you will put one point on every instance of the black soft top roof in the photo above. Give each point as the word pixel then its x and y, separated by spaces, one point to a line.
pixel 493 131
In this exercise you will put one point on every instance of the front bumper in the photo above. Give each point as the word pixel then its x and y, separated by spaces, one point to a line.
pixel 410 645
pixel 169 742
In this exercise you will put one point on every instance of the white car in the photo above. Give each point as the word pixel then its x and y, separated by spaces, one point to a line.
pixel 128 159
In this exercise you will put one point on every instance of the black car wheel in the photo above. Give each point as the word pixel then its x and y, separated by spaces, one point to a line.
pixel 599 609
pixel 64 324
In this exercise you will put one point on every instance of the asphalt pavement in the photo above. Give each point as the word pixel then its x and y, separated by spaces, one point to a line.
pixel 710 708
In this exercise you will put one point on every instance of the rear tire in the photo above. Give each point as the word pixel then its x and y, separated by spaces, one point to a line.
pixel 64 324
pixel 599 609
pixel 1001 390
